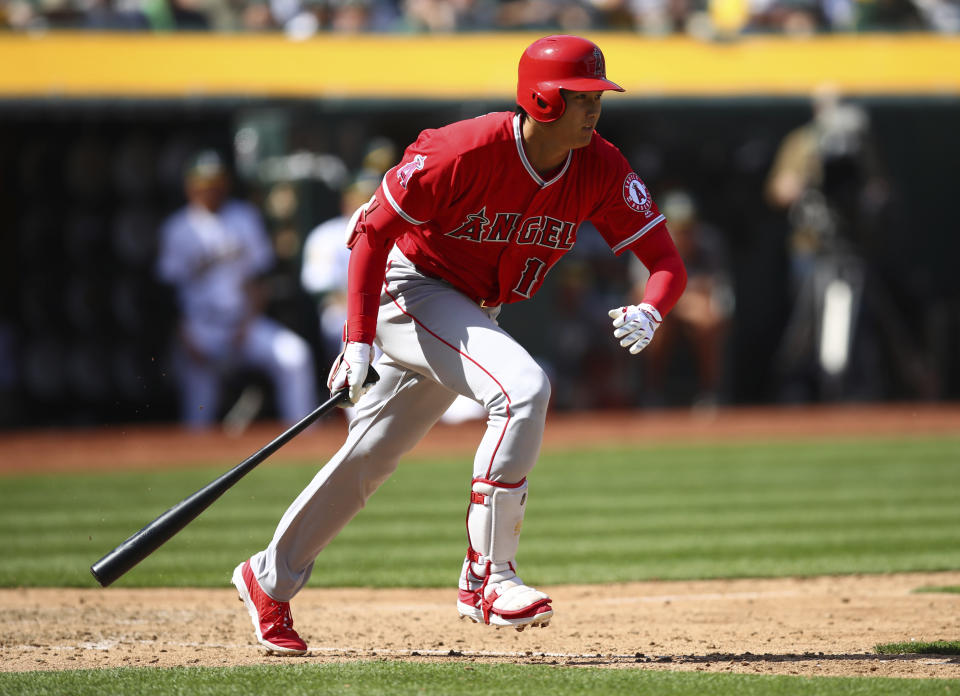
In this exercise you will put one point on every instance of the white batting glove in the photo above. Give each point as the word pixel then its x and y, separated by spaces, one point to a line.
pixel 350 370
pixel 635 325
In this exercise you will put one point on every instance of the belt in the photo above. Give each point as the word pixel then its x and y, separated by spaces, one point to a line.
pixel 485 304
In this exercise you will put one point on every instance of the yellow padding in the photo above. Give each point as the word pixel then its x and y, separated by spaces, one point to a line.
pixel 461 66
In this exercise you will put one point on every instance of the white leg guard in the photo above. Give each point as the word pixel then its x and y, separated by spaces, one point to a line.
pixel 491 592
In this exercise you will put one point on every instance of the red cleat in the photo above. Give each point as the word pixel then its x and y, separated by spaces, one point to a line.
pixel 271 619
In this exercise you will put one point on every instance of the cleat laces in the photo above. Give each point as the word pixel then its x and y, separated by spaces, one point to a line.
pixel 278 617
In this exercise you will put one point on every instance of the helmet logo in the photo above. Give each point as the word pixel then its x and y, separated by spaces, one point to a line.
pixel 596 64
pixel 635 194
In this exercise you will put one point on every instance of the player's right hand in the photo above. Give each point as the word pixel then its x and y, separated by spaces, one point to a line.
pixel 350 370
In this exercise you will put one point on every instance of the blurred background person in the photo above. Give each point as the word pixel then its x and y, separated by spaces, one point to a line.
pixel 325 259
pixel 215 252
pixel 828 178
pixel 325 256
pixel 177 15
pixel 819 178
pixel 110 15
pixel 585 374
pixel 441 16
pixel 701 317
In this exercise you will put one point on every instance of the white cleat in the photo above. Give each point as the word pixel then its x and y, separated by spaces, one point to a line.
pixel 539 616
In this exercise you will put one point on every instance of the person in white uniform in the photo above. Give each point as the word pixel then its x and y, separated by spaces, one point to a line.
pixel 214 251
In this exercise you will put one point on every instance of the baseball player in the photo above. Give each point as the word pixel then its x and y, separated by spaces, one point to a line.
pixel 213 251
pixel 471 219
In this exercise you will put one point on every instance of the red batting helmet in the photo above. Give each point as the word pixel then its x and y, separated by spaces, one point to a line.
pixel 554 63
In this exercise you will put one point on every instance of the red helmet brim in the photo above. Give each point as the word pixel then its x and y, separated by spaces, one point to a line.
pixel 587 84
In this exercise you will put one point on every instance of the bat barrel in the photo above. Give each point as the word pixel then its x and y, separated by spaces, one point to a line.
pixel 146 541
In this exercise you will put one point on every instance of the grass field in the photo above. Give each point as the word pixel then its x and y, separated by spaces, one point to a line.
pixel 595 516
pixel 731 510
pixel 398 679
pixel 939 647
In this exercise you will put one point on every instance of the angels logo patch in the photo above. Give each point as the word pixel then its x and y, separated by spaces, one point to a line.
pixel 409 169
pixel 636 195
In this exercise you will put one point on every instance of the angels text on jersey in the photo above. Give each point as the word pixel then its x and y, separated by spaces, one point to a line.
pixel 541 230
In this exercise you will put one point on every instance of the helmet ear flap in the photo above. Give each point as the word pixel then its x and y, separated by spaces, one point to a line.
pixel 548 109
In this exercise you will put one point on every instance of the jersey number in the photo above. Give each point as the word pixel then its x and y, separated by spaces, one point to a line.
pixel 531 274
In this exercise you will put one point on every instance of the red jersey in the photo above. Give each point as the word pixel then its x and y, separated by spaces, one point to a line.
pixel 482 218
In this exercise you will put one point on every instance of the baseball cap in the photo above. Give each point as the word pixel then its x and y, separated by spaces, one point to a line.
pixel 206 164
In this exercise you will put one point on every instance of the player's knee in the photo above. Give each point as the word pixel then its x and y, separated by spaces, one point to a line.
pixel 523 397
pixel 531 395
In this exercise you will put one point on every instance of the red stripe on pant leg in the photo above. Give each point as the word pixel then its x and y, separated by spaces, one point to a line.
pixel 485 371
pixel 500 484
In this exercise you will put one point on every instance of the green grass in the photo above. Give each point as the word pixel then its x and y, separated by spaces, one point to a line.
pixel 951 589
pixel 595 515
pixel 399 678
pixel 936 647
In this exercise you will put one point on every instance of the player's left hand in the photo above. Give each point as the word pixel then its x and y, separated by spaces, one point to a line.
pixel 350 369
pixel 635 325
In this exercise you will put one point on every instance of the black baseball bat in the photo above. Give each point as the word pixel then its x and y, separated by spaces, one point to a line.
pixel 150 538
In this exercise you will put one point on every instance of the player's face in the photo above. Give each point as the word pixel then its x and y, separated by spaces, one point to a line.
pixel 207 192
pixel 579 118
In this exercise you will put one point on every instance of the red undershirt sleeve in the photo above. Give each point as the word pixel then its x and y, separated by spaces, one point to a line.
pixel 380 227
pixel 668 276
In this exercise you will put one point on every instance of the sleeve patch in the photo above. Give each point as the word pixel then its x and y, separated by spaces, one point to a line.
pixel 635 194
pixel 405 172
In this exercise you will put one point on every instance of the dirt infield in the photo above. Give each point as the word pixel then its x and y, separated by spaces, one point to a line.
pixel 812 626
